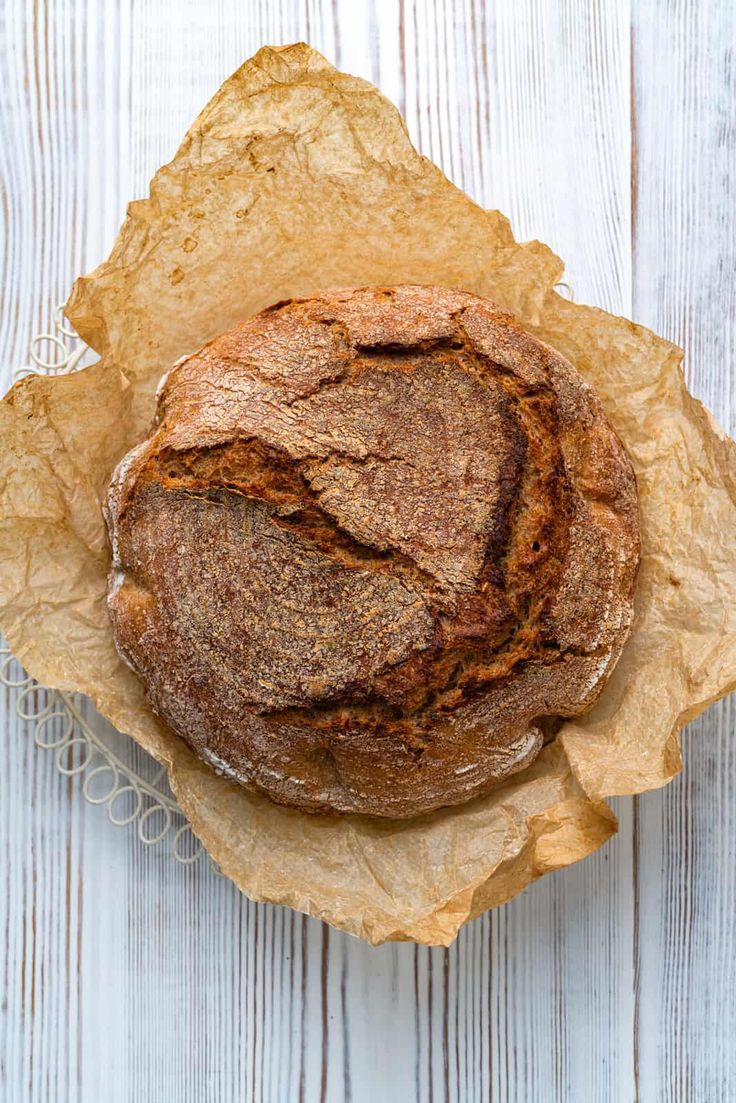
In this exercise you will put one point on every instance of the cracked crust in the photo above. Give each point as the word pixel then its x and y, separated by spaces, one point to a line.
pixel 378 543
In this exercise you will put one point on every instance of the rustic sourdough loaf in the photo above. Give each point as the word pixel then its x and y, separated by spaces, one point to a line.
pixel 378 542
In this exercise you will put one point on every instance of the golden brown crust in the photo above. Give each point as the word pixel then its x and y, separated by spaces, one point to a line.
pixel 377 542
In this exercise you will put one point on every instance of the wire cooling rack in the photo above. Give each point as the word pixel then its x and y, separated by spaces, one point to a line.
pixel 113 770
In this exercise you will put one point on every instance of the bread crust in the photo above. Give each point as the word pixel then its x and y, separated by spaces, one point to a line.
pixel 378 542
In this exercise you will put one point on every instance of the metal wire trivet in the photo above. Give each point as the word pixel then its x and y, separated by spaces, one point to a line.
pixel 57 717
pixel 110 776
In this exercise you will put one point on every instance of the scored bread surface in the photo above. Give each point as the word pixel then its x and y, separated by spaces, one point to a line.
pixel 378 543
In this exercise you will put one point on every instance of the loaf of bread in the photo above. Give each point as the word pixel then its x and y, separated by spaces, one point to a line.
pixel 377 544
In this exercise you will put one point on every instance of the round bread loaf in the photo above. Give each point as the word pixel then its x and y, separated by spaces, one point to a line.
pixel 378 543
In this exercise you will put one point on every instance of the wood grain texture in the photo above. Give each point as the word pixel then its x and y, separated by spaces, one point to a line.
pixel 684 93
pixel 606 129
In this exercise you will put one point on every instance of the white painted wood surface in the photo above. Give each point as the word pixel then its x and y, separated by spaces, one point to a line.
pixel 607 129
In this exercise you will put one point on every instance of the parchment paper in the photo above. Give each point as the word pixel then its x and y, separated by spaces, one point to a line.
pixel 296 178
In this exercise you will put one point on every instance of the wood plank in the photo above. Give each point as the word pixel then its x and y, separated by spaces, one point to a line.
pixel 685 288
pixel 557 964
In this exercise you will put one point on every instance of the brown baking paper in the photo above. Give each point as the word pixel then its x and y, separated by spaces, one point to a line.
pixel 297 178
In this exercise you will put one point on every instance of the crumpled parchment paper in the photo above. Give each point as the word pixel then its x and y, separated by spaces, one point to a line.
pixel 296 178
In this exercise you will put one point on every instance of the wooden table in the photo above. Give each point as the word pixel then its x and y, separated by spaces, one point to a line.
pixel 608 130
